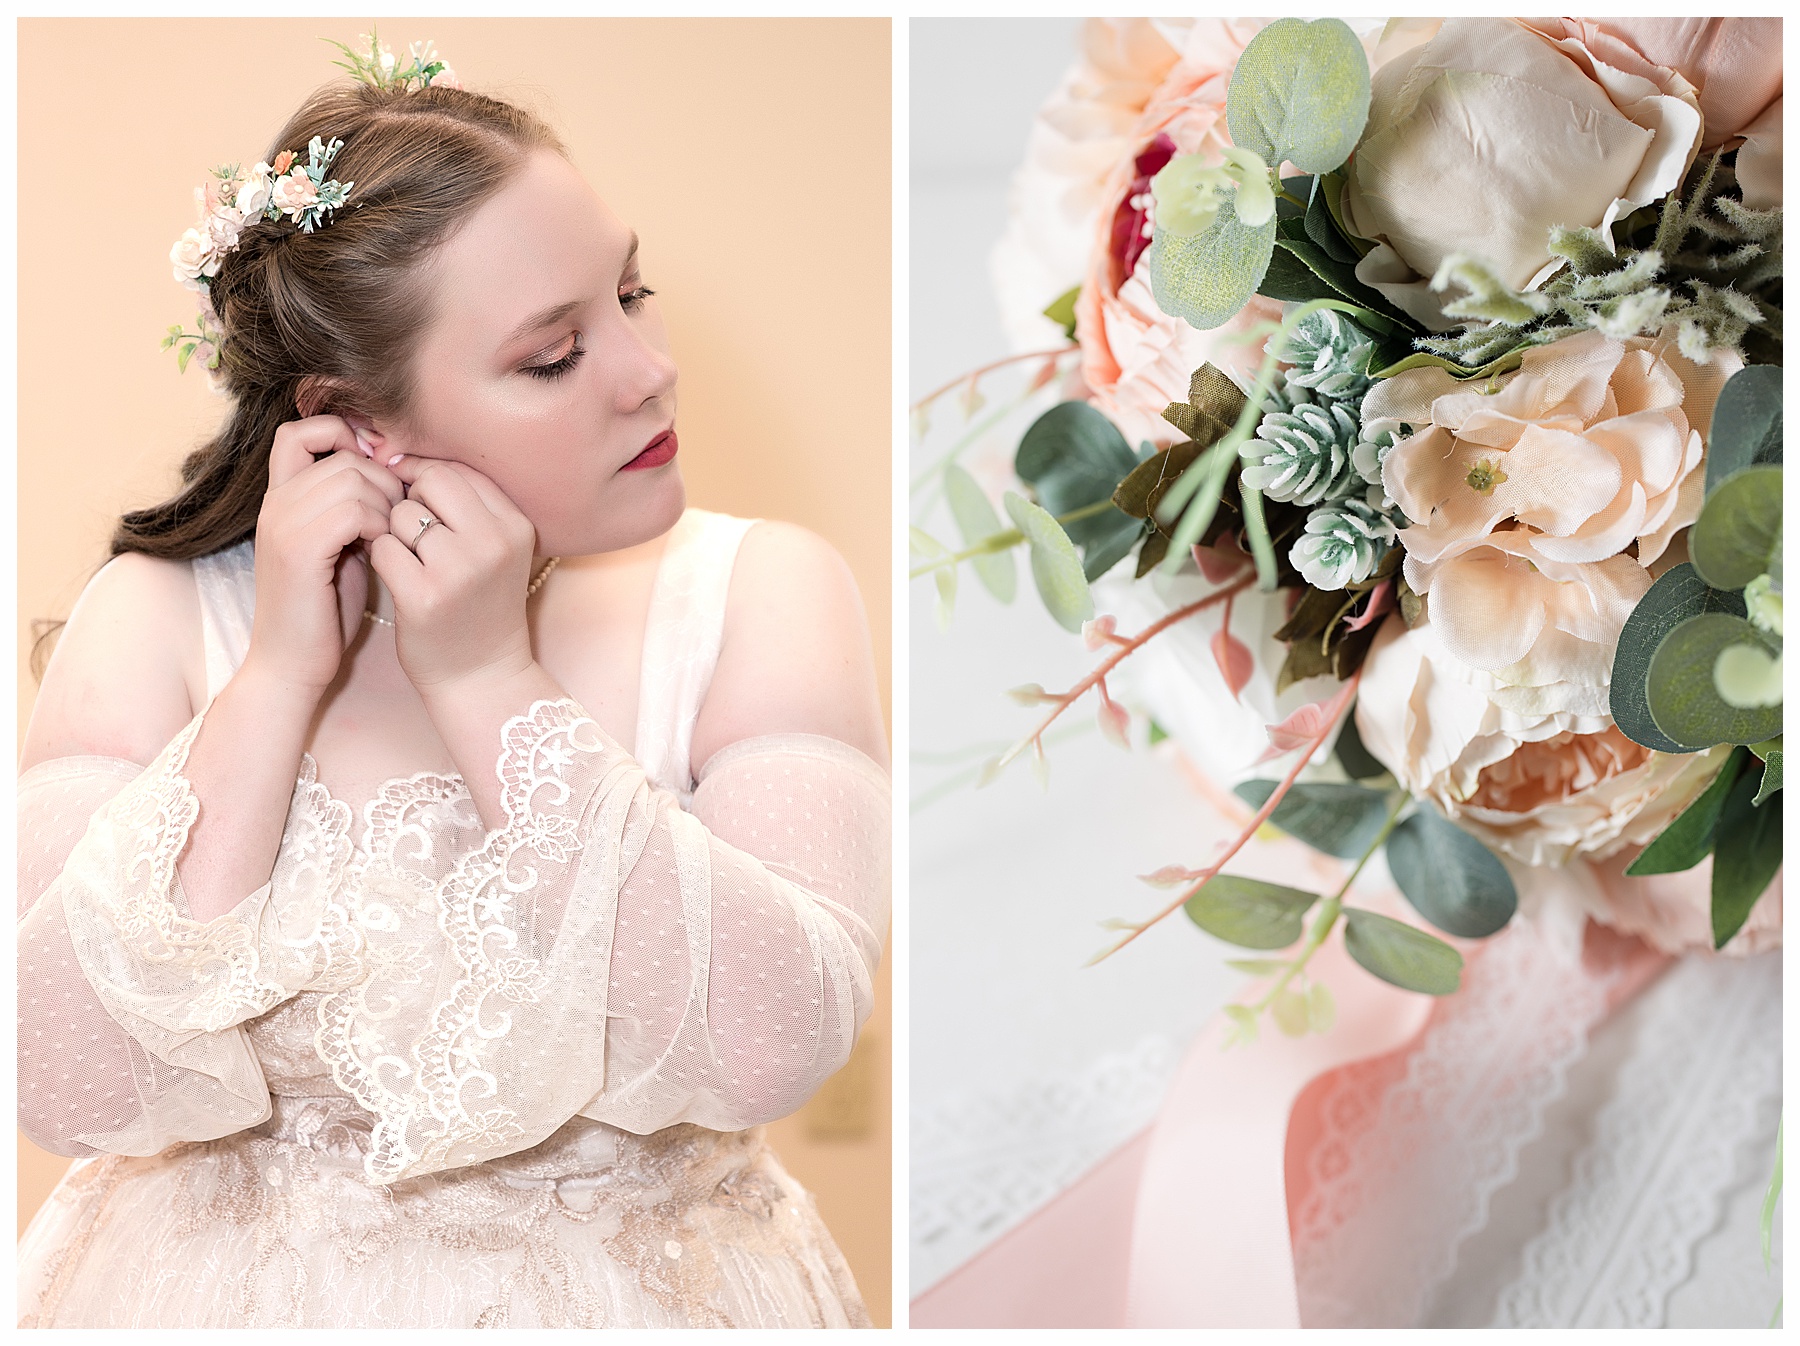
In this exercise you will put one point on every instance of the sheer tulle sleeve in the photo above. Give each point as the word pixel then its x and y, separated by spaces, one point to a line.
pixel 130 1012
pixel 616 956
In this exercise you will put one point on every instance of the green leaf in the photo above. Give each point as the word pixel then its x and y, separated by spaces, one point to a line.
pixel 1746 424
pixel 1341 820
pixel 1300 94
pixel 976 518
pixel 1321 1007
pixel 1256 967
pixel 1289 1011
pixel 1451 879
pixel 1400 954
pixel 1738 533
pixel 1358 762
pixel 1674 598
pixel 1248 912
pixel 1504 364
pixel 1746 857
pixel 1688 840
pixel 1062 311
pixel 1374 311
pixel 1243 1022
pixel 1685 703
pixel 1771 777
pixel 1055 564
pixel 1321 224
pixel 1207 279
pixel 1074 457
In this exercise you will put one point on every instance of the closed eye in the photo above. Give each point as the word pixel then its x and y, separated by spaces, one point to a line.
pixel 555 369
pixel 634 298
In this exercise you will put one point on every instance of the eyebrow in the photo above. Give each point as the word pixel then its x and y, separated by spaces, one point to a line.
pixel 557 312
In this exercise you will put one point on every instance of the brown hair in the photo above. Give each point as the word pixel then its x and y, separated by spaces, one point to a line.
pixel 340 305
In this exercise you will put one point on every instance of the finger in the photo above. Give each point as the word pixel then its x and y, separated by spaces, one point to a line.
pixel 406 521
pixel 447 494
pixel 344 484
pixel 496 500
pixel 299 443
pixel 346 522
pixel 345 462
pixel 399 569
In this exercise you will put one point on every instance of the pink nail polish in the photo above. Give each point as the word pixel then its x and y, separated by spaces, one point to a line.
pixel 395 459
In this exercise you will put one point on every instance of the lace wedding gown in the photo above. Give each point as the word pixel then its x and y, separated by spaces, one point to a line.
pixel 431 1075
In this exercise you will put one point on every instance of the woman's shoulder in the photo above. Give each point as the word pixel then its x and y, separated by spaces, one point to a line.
pixel 128 665
pixel 795 655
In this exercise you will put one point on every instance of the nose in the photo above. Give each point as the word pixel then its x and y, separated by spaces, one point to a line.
pixel 645 372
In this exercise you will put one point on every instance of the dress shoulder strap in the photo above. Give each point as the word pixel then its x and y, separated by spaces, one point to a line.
pixel 682 635
pixel 227 584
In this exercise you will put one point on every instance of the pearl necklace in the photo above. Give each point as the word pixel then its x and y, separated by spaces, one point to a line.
pixel 537 582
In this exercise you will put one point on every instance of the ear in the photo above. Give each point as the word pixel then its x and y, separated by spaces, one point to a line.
pixel 316 394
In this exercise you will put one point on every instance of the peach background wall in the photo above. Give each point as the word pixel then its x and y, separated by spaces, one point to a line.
pixel 753 156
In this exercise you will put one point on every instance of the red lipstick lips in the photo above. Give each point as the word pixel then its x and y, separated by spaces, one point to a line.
pixel 657 452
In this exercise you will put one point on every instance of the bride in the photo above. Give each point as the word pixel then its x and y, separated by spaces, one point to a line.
pixel 440 850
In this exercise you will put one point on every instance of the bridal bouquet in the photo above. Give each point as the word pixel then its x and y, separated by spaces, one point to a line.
pixel 1421 401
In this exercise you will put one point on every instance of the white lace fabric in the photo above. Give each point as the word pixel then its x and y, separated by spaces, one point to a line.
pixel 607 974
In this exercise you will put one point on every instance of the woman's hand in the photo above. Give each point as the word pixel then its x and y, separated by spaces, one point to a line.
pixel 458 586
pixel 325 496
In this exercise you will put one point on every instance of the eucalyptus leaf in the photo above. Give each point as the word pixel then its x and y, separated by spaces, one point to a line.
pixel 1400 954
pixel 1321 1007
pixel 1290 1013
pixel 1249 913
pixel 1685 703
pixel 1341 820
pixel 1738 533
pixel 976 518
pixel 1055 564
pixel 1678 595
pixel 1300 94
pixel 1746 424
pixel 1745 858
pixel 1207 279
pixel 1771 777
pixel 1075 458
pixel 1451 879
pixel 1688 840
pixel 1256 967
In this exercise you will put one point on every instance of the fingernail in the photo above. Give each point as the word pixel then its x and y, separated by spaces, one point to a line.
pixel 363 444
pixel 395 459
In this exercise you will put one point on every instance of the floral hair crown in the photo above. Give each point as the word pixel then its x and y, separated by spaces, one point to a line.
pixel 234 200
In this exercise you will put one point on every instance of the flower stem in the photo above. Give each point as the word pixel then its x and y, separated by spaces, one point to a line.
pixel 1329 911
pixel 1126 647
pixel 1333 710
pixel 1005 541
pixel 988 368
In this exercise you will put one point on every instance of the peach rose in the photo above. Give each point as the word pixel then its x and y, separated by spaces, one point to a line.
pixel 1733 64
pixel 1079 137
pixel 1539 787
pixel 1538 509
pixel 1136 359
pixel 294 193
pixel 1483 138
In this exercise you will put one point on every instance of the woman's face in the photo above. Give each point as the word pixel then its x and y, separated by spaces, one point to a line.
pixel 547 368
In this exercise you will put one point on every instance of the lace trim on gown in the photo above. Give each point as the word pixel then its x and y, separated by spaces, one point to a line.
pixel 474 1041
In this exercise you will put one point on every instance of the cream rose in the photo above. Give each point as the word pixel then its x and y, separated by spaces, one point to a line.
pixel 1483 138
pixel 1537 510
pixel 193 256
pixel 294 193
pixel 1541 788
pixel 253 195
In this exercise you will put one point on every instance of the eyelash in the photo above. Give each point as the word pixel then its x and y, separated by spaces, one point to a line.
pixel 628 301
